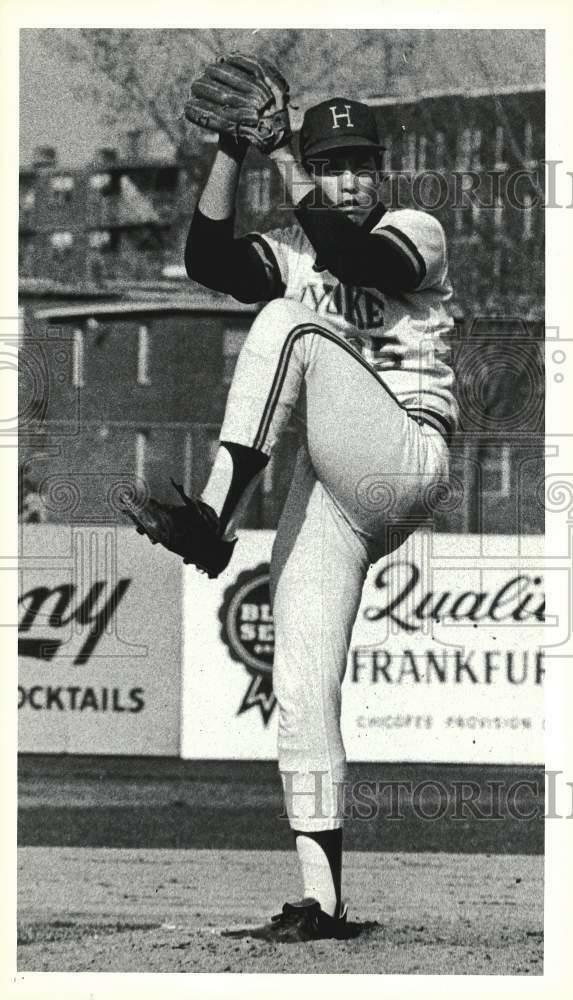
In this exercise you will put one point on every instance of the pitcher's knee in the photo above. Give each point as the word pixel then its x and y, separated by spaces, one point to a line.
pixel 278 317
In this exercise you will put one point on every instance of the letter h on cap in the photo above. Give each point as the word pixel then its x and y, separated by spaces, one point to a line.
pixel 341 114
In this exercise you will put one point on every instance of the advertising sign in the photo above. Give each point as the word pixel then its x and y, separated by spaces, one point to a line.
pixel 99 643
pixel 445 661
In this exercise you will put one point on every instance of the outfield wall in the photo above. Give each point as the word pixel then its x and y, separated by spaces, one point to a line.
pixel 99 643
pixel 464 684
pixel 123 650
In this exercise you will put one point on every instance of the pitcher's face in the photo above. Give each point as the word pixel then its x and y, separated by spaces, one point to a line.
pixel 349 178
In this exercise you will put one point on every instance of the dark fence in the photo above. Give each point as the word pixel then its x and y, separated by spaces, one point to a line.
pixel 122 393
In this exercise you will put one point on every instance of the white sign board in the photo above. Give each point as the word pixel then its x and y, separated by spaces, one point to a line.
pixel 444 665
pixel 99 643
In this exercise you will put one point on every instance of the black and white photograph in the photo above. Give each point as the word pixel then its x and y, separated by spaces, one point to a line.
pixel 288 500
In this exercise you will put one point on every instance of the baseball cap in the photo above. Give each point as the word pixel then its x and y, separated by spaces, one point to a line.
pixel 335 124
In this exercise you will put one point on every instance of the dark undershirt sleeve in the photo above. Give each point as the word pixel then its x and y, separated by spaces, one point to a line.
pixel 354 255
pixel 214 258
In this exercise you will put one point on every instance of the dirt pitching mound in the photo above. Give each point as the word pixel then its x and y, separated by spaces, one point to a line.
pixel 111 910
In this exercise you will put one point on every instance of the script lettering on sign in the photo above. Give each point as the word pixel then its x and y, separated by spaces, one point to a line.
pixel 519 599
pixel 56 607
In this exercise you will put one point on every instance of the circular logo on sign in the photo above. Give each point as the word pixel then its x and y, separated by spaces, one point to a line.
pixel 247 621
pixel 248 632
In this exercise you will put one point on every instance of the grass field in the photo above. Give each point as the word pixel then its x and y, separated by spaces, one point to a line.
pixel 157 802
pixel 137 864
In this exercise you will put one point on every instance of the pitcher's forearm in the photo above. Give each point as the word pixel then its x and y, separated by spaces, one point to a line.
pixel 219 194
pixel 296 179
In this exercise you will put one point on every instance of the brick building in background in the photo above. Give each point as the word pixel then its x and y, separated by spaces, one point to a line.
pixel 118 218
pixel 124 371
pixel 126 217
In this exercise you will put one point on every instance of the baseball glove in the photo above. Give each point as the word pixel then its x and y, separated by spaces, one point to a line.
pixel 191 531
pixel 244 97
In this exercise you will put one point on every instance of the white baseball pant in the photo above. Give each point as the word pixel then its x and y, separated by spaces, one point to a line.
pixel 362 471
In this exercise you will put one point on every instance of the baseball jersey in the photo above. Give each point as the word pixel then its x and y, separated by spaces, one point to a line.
pixel 403 336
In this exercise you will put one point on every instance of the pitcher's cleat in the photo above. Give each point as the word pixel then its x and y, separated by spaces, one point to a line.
pixel 191 531
pixel 302 921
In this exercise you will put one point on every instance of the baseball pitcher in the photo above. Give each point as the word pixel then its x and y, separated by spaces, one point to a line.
pixel 350 347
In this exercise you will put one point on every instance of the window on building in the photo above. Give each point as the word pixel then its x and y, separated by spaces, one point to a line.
pixel 527 217
pixel 463 152
pixel 498 214
pixel 26 253
pixel 528 156
pixel 101 183
pixel 62 182
pixel 143 377
pixel 409 144
pixel 62 187
pixel 422 152
pixel 440 151
pixel 61 240
pixel 78 358
pixel 500 162
pixel 100 239
pixel 495 463
pixel 188 463
pixel 233 340
pixel 27 200
pixel 468 154
pixel 467 211
pixel 140 454
pixel 476 147
pixel 387 155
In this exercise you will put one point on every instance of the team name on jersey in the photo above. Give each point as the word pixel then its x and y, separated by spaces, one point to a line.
pixel 359 307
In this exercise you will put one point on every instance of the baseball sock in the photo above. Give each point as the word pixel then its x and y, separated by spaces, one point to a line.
pixel 320 856
pixel 234 476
